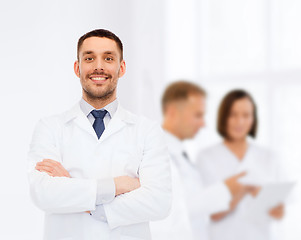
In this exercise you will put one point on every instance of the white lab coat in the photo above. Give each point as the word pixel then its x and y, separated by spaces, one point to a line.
pixel 217 163
pixel 130 145
pixel 191 201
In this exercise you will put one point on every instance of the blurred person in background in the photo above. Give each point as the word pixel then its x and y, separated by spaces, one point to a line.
pixel 237 119
pixel 183 105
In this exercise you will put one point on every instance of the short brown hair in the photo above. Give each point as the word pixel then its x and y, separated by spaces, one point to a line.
pixel 102 33
pixel 180 90
pixel 225 108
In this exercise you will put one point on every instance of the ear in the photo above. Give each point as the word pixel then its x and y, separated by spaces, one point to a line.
pixel 171 109
pixel 122 69
pixel 76 68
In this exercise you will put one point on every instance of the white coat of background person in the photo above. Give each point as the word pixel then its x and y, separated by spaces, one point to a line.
pixel 237 118
pixel 183 105
pixel 99 177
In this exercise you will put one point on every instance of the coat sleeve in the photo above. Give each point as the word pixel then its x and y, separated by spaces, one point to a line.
pixel 152 201
pixel 211 199
pixel 56 194
pixel 177 226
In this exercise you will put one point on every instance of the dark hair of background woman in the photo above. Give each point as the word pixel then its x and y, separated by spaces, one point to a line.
pixel 225 109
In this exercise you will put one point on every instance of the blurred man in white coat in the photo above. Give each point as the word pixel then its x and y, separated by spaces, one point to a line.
pixel 183 106
pixel 97 170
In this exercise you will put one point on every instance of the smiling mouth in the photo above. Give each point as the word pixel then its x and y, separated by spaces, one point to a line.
pixel 98 79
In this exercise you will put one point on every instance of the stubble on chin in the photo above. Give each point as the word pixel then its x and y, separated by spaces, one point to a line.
pixel 101 96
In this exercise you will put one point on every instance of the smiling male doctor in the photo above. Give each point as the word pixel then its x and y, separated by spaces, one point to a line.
pixel 97 170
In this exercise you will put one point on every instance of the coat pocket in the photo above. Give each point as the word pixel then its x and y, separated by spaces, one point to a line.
pixel 127 160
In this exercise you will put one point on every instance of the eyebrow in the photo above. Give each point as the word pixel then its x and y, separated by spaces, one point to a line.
pixel 106 53
pixel 109 52
pixel 87 52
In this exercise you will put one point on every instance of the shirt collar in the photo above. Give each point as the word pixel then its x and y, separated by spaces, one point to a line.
pixel 87 108
pixel 175 145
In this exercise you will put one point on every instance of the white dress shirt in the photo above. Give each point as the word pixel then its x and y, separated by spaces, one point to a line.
pixel 105 187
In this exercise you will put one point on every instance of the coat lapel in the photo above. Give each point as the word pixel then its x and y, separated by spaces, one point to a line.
pixel 120 119
pixel 76 115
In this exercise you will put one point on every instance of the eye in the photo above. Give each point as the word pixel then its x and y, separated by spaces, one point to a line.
pixel 89 59
pixel 109 59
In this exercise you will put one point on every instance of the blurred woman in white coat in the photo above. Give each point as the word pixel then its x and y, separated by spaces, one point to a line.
pixel 237 119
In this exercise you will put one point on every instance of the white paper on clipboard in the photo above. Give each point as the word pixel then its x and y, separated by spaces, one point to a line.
pixel 270 195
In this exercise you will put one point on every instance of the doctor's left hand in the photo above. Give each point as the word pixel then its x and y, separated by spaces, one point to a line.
pixel 52 168
pixel 277 212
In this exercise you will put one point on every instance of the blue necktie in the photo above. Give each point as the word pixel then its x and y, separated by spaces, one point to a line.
pixel 185 155
pixel 98 124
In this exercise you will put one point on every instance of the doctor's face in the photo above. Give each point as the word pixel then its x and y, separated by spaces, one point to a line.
pixel 240 120
pixel 99 67
pixel 190 116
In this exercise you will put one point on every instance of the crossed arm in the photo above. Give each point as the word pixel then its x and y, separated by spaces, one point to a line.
pixel 123 184
pixel 145 199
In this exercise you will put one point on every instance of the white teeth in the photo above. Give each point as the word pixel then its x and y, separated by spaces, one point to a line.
pixel 98 78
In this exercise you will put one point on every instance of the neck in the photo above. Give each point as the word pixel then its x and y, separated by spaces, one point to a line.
pixel 171 129
pixel 238 147
pixel 236 142
pixel 99 103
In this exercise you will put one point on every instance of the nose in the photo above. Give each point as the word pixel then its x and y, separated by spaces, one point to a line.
pixel 240 121
pixel 98 65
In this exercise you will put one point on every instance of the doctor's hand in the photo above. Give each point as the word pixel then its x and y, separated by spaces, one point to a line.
pixel 234 186
pixel 52 168
pixel 239 195
pixel 124 184
pixel 253 190
pixel 277 212
pixel 245 189
pixel 238 191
